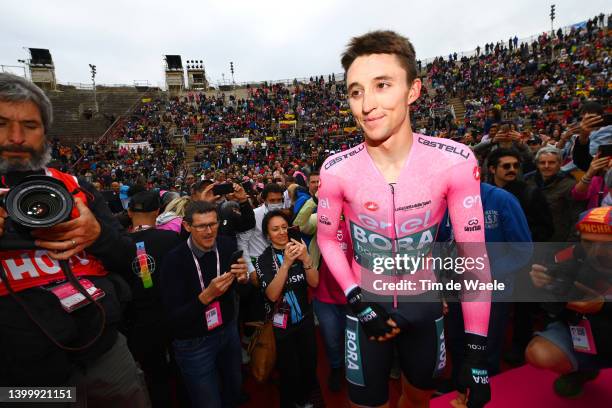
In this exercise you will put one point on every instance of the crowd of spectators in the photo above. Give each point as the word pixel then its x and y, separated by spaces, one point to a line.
pixel 563 70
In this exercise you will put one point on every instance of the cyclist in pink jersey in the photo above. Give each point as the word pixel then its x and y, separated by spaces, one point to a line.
pixel 393 190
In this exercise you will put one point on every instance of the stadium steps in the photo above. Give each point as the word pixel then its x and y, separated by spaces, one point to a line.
pixel 190 151
pixel 459 108
pixel 70 107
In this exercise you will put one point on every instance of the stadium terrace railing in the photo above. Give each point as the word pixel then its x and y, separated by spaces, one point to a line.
pixel 89 87
pixel 287 82
pixel 528 40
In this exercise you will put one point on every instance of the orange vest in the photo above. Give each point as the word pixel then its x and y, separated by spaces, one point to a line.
pixel 31 268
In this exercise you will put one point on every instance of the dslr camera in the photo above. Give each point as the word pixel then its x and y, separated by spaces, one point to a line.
pixel 36 202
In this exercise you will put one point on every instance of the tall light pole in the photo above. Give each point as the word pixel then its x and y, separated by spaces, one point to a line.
pixel 232 71
pixel 552 31
pixel 552 18
pixel 93 80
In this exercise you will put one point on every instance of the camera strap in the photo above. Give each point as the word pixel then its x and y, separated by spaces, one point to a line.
pixel 77 285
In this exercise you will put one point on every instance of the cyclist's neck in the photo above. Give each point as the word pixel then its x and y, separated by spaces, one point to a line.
pixel 391 155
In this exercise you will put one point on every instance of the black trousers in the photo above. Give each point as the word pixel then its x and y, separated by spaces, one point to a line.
pixel 296 360
pixel 150 348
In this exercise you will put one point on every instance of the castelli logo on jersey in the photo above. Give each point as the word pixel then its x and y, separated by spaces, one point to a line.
pixel 371 206
pixel 476 172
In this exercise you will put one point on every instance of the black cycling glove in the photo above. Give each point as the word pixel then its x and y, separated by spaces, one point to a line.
pixel 474 375
pixel 373 317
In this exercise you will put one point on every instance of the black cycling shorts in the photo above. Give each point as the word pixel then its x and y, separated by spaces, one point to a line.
pixel 420 345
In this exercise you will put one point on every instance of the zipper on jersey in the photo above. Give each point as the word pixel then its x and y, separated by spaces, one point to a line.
pixel 394 242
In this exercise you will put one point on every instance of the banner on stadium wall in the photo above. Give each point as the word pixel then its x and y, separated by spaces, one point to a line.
pixel 135 146
pixel 239 141
pixel 146 100
pixel 288 122
pixel 289 116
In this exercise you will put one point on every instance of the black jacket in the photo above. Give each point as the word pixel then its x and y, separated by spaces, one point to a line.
pixel 27 355
pixel 563 208
pixel 180 287
pixel 536 209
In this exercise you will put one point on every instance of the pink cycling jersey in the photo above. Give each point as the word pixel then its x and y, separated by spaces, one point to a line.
pixel 401 217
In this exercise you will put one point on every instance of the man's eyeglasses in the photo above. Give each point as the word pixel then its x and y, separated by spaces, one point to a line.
pixel 507 166
pixel 203 227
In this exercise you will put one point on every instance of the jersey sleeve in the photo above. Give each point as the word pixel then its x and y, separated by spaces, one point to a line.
pixel 466 214
pixel 331 200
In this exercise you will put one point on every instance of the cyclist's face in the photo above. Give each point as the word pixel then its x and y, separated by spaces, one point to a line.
pixel 379 96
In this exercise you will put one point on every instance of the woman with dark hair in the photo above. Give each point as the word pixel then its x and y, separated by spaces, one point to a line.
pixel 285 271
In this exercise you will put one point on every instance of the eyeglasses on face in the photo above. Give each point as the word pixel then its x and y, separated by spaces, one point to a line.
pixel 507 166
pixel 203 227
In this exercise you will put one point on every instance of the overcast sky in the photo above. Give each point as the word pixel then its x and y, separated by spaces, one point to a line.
pixel 266 39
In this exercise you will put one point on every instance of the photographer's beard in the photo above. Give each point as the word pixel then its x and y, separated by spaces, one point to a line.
pixel 38 159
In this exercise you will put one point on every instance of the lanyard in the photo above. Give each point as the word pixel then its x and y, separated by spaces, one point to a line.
pixel 197 264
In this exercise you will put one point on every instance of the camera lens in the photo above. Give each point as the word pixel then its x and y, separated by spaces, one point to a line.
pixel 39 202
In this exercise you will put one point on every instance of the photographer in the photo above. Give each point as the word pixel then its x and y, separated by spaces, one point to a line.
pixel 578 341
pixel 44 341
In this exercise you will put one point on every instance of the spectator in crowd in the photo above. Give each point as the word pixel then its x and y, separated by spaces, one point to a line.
pixel 253 242
pixel 198 289
pixel 592 187
pixel 509 249
pixel 146 331
pixel 504 166
pixel 285 271
pixel 113 198
pixel 557 188
pixel 593 132
pixel 172 218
